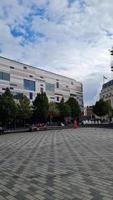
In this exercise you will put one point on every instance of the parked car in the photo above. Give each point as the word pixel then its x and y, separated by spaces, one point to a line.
pixel 33 128
pixel 41 126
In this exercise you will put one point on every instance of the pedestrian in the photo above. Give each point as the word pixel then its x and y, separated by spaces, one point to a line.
pixel 75 124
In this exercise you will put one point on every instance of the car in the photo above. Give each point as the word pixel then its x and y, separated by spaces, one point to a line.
pixel 33 128
pixel 41 126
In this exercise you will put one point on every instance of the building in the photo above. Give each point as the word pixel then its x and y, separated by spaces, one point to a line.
pixel 107 92
pixel 107 88
pixel 24 79
pixel 88 112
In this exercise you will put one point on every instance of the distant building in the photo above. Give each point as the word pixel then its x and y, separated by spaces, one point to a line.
pixel 107 92
pixel 107 88
pixel 88 112
pixel 24 79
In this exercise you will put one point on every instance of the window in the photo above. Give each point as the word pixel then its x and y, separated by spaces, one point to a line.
pixel 11 67
pixel 71 83
pixel 31 95
pixel 57 84
pixel 57 98
pixel 17 95
pixel 50 87
pixel 30 76
pixel 11 88
pixel 0 75
pixel 25 67
pixel 12 84
pixel 41 90
pixel 5 76
pixel 74 95
pixel 52 98
pixel 29 85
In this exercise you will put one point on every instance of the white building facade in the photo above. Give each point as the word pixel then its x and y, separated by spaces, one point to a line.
pixel 24 79
pixel 107 92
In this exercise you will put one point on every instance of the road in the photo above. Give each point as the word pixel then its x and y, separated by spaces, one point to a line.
pixel 72 164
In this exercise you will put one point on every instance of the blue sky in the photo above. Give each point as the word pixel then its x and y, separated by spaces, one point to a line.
pixel 69 37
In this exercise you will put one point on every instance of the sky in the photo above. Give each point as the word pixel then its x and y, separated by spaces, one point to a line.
pixel 68 37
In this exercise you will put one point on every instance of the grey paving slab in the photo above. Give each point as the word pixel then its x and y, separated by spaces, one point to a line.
pixel 73 164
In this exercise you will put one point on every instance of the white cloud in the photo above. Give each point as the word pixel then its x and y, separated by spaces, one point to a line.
pixel 75 38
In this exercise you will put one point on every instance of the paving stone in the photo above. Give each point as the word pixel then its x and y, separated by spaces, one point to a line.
pixel 68 164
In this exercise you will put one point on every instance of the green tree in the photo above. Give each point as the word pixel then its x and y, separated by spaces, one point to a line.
pixel 102 108
pixel 53 110
pixel 64 109
pixel 8 108
pixel 40 106
pixel 24 109
pixel 75 108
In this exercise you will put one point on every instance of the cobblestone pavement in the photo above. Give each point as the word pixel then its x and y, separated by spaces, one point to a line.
pixel 54 165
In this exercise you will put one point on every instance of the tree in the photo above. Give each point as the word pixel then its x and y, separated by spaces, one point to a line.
pixel 64 109
pixel 53 110
pixel 40 106
pixel 24 109
pixel 102 108
pixel 75 108
pixel 8 108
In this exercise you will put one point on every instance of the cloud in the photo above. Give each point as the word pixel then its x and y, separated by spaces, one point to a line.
pixel 71 37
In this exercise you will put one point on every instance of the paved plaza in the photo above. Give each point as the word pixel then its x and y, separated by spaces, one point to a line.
pixel 70 164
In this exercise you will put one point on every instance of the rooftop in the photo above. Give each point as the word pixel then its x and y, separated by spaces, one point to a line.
pixel 109 83
pixel 40 69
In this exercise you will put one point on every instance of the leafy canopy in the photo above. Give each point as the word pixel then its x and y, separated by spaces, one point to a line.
pixel 102 108
pixel 8 107
pixel 24 108
pixel 53 109
pixel 40 106
pixel 74 106
pixel 64 109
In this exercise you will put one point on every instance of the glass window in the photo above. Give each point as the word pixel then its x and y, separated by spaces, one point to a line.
pixel 29 85
pixel 11 88
pixel 50 87
pixel 17 95
pixel 57 84
pixel 13 84
pixel 31 95
pixel 5 76
pixel 1 75
pixel 52 97
pixel 41 89
pixel 58 98
pixel 11 67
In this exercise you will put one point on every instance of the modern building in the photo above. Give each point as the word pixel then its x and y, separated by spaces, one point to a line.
pixel 107 92
pixel 24 79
